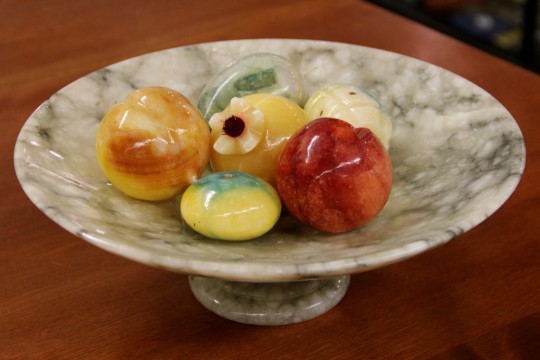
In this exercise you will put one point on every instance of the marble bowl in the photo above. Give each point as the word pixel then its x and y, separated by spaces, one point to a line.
pixel 457 154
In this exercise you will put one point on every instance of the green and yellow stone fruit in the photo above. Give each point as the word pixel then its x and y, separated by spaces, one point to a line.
pixel 230 206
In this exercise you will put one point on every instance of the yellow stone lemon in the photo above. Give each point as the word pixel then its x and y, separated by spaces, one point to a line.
pixel 249 135
pixel 154 144
pixel 230 205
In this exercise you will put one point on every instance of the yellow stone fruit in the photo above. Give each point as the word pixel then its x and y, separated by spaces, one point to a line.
pixel 230 206
pixel 154 144
pixel 249 135
pixel 353 105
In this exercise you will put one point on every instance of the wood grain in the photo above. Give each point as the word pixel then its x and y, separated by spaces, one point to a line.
pixel 61 298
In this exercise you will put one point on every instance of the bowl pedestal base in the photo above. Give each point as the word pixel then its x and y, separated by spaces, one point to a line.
pixel 279 303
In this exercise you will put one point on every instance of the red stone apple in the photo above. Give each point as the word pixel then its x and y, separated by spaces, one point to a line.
pixel 334 177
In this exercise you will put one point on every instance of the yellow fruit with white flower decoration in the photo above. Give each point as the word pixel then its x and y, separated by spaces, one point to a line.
pixel 230 206
pixel 249 135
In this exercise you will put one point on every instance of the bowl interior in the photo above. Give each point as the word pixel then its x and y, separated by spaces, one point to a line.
pixel 457 155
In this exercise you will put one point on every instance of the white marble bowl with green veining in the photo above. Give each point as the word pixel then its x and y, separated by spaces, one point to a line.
pixel 457 155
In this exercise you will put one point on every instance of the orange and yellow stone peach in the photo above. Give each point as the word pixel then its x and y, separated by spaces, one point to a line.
pixel 153 145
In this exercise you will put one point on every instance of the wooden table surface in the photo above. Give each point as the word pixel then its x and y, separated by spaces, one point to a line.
pixel 61 298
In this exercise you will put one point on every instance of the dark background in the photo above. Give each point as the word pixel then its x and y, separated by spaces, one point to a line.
pixel 505 28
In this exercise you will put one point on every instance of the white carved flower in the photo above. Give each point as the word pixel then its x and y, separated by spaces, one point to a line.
pixel 241 127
